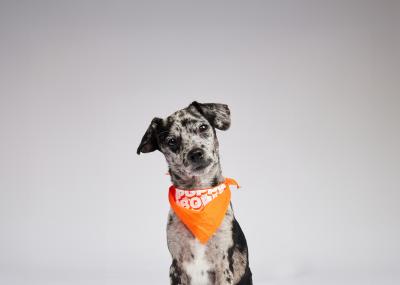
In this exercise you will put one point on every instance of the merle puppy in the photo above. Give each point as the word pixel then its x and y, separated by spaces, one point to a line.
pixel 188 140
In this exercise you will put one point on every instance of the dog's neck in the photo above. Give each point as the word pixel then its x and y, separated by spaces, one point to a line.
pixel 210 179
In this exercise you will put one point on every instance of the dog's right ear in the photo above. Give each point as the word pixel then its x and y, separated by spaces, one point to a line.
pixel 149 141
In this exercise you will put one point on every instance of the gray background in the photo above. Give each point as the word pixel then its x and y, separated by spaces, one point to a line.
pixel 314 91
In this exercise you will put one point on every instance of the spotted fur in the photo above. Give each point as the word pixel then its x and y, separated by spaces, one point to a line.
pixel 188 140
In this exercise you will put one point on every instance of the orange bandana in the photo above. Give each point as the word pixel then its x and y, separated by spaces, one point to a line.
pixel 202 210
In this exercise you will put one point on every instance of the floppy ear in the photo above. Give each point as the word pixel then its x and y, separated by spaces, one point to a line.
pixel 149 141
pixel 217 114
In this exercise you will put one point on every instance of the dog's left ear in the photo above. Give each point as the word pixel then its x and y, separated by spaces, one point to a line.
pixel 217 114
pixel 149 141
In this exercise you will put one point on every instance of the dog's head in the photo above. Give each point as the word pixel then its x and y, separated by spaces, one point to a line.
pixel 187 138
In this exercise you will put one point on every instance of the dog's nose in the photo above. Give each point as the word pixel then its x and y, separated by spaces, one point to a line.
pixel 196 155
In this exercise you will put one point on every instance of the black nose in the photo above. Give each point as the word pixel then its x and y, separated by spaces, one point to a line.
pixel 195 155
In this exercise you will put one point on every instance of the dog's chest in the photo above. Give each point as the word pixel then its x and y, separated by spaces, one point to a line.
pixel 202 264
pixel 198 268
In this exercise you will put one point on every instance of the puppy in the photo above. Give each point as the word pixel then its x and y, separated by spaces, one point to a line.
pixel 188 140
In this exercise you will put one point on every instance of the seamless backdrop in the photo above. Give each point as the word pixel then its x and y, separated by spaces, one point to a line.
pixel 313 87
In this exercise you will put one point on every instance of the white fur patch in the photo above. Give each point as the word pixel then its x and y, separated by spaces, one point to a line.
pixel 197 269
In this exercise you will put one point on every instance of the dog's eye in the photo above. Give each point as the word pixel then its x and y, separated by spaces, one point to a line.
pixel 171 142
pixel 203 128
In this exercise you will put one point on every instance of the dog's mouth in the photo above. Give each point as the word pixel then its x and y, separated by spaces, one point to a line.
pixel 201 166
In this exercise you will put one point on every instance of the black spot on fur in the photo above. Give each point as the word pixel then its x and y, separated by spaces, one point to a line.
pixel 230 257
pixel 215 181
pixel 175 273
pixel 192 130
pixel 212 276
pixel 184 122
pixel 187 121
pixel 170 219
